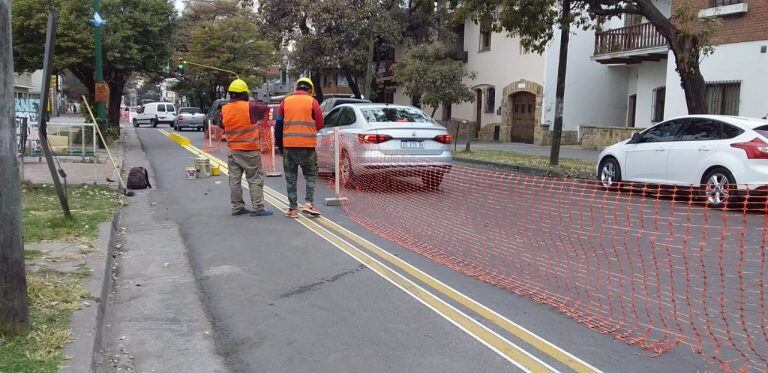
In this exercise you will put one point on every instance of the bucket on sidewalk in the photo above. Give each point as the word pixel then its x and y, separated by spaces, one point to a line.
pixel 215 170
pixel 203 167
pixel 191 173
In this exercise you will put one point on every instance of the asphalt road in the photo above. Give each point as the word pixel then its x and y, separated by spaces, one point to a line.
pixel 283 299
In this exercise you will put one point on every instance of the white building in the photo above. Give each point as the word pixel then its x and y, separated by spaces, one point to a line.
pixel 620 77
pixel 508 86
pixel 623 76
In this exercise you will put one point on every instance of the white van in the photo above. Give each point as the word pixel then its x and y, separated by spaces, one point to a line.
pixel 155 113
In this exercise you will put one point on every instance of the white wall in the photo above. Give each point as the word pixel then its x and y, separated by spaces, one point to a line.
pixel 595 94
pixel 739 61
pixel 650 75
pixel 499 67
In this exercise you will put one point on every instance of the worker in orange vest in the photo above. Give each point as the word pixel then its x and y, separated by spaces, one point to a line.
pixel 298 120
pixel 244 156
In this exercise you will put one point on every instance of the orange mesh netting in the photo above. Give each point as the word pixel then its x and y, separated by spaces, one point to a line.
pixel 651 266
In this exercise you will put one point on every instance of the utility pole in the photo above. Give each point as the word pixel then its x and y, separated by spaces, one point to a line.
pixel 101 111
pixel 14 310
pixel 565 34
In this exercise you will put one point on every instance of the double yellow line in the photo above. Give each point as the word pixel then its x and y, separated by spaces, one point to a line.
pixel 372 256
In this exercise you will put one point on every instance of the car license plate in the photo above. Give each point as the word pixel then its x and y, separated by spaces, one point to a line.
pixel 411 144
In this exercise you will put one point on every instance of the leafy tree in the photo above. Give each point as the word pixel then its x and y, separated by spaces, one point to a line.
pixel 137 39
pixel 428 71
pixel 330 34
pixel 533 21
pixel 223 35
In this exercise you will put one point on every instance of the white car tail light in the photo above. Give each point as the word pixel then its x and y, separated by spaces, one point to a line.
pixel 755 149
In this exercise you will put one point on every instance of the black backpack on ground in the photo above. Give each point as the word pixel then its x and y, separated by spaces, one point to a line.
pixel 138 178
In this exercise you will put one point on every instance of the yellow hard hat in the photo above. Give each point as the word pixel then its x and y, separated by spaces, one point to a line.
pixel 238 86
pixel 308 81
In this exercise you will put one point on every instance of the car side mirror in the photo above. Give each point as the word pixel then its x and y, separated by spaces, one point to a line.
pixel 635 138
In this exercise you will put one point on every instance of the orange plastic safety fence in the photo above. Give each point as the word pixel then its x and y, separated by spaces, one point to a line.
pixel 214 136
pixel 270 163
pixel 268 159
pixel 649 265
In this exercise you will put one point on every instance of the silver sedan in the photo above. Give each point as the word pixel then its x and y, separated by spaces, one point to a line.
pixel 385 139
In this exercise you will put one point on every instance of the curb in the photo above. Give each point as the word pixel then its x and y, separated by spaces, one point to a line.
pixel 522 169
pixel 88 323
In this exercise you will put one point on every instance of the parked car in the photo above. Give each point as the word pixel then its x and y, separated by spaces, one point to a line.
pixel 214 115
pixel 190 117
pixel 385 139
pixel 722 156
pixel 155 113
pixel 331 103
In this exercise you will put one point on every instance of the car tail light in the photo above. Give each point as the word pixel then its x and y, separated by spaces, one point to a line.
pixel 373 139
pixel 755 149
pixel 445 139
pixel 181 117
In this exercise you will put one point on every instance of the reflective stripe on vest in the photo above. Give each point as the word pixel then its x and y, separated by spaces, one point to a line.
pixel 299 130
pixel 241 134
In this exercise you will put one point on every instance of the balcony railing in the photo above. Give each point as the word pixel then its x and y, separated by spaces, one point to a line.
pixel 642 36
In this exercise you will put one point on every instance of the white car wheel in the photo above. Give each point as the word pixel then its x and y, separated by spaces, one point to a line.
pixel 719 187
pixel 610 173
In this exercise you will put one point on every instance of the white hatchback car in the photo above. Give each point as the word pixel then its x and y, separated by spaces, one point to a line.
pixel 719 155
pixel 385 139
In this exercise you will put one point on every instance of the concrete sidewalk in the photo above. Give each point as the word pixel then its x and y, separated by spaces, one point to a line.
pixel 566 151
pixel 155 320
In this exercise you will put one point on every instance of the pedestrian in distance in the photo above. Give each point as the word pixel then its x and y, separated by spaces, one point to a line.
pixel 243 139
pixel 298 120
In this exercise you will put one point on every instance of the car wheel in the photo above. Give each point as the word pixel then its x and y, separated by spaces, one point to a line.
pixel 718 187
pixel 610 173
pixel 153 123
pixel 135 123
pixel 347 176
pixel 432 180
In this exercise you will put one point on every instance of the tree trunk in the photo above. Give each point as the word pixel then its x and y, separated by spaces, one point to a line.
pixel 115 98
pixel 14 312
pixel 318 87
pixel 352 82
pixel 687 52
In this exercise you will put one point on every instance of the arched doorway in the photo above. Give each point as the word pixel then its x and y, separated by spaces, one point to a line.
pixel 523 112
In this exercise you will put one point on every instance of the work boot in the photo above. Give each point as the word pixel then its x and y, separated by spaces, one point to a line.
pixel 242 211
pixel 262 212
pixel 309 208
pixel 292 213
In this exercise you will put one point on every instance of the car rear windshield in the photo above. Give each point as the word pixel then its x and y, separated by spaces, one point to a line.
pixel 189 110
pixel 762 130
pixel 349 101
pixel 395 115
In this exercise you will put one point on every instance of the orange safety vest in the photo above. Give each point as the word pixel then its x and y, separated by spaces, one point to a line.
pixel 241 134
pixel 299 130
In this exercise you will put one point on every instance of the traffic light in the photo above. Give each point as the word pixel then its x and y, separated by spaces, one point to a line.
pixel 181 66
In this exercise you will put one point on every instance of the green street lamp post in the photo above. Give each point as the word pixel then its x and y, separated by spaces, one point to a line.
pixel 101 111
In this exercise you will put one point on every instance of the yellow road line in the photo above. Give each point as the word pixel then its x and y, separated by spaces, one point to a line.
pixel 515 329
